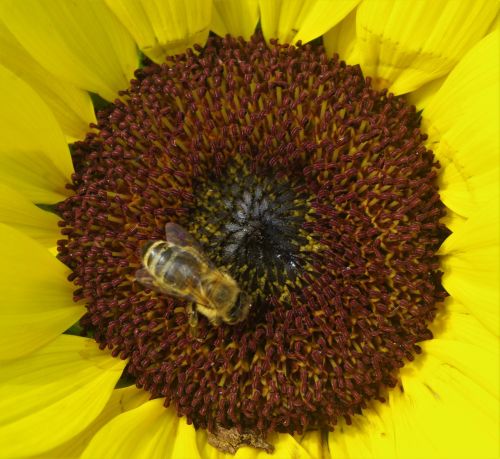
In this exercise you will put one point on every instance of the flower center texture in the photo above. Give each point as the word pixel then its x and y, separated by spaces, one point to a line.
pixel 313 190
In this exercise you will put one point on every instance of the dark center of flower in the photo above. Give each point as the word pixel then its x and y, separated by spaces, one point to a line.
pixel 311 189
pixel 251 224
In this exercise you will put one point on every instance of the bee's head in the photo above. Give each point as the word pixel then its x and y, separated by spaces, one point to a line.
pixel 239 311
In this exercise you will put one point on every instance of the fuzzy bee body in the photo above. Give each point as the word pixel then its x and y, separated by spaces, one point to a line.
pixel 178 267
pixel 173 267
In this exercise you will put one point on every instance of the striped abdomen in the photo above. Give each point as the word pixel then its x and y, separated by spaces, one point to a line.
pixel 172 266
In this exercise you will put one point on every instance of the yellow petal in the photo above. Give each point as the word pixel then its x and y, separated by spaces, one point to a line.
pixel 463 348
pixel 455 383
pixel 305 20
pixel 28 126
pixel 471 360
pixel 33 175
pixel 71 106
pixel 480 231
pixel 52 395
pixel 342 39
pixel 462 121
pixel 17 211
pixel 164 27
pixel 206 450
pixel 284 446
pixel 121 400
pixel 473 280
pixel 80 42
pixel 405 44
pixel 470 262
pixel 422 97
pixel 36 303
pixel 452 220
pixel 235 17
pixel 454 322
pixel 495 25
pixel 460 189
pixel 371 436
pixel 148 431
pixel 315 443
pixel 414 417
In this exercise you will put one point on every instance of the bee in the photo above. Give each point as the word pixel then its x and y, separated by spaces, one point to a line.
pixel 178 267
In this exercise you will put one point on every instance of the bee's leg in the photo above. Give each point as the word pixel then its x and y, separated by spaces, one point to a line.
pixel 193 320
pixel 215 321
pixel 192 315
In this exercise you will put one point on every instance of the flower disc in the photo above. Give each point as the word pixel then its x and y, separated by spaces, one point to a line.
pixel 312 189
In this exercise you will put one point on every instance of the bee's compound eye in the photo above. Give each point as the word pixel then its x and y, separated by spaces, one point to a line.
pixel 222 295
pixel 145 248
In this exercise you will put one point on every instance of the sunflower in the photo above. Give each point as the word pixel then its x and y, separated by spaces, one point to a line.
pixel 339 160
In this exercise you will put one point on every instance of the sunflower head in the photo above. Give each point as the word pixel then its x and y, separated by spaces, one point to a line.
pixel 310 188
pixel 305 190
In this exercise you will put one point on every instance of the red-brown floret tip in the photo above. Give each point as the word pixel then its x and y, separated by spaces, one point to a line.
pixel 311 188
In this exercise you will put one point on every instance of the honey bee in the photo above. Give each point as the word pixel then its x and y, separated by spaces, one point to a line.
pixel 178 267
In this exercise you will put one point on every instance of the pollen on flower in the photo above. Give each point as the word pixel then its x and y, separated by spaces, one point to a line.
pixel 311 188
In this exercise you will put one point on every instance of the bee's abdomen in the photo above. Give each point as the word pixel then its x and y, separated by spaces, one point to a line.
pixel 171 264
pixel 183 270
pixel 145 248
pixel 155 255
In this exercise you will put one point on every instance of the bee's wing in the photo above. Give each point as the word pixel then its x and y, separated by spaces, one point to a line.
pixel 178 235
pixel 145 278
